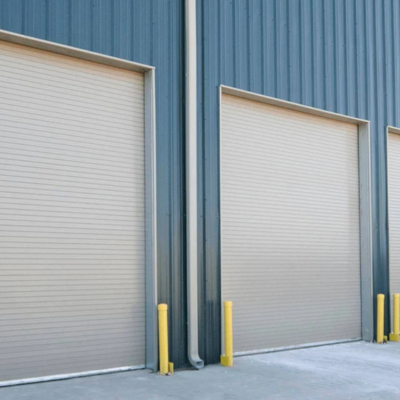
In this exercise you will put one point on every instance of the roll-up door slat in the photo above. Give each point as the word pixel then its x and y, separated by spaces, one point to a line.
pixel 71 215
pixel 289 226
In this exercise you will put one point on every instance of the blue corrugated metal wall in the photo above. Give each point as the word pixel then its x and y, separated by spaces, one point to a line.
pixel 338 55
pixel 149 32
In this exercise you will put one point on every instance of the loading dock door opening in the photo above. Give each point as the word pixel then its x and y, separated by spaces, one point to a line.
pixel 72 215
pixel 393 170
pixel 290 225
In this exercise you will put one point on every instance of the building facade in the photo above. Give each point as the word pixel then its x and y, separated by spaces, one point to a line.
pixel 340 57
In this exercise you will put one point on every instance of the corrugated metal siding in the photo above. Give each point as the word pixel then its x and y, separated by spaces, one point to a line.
pixel 337 55
pixel 148 32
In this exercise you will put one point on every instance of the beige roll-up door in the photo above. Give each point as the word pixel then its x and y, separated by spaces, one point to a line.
pixel 71 215
pixel 393 147
pixel 289 226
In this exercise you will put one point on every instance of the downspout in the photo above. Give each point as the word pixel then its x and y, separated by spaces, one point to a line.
pixel 191 183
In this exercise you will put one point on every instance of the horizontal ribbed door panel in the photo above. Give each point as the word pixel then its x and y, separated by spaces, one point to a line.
pixel 394 211
pixel 71 215
pixel 289 226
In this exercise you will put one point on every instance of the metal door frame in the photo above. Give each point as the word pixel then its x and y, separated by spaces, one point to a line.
pixel 150 191
pixel 367 315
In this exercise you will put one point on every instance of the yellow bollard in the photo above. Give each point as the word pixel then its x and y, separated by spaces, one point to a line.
pixel 380 318
pixel 165 366
pixel 394 337
pixel 227 358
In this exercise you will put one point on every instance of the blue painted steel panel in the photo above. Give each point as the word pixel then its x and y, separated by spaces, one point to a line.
pixel 339 55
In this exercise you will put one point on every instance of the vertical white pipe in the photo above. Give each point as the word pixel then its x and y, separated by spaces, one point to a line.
pixel 191 182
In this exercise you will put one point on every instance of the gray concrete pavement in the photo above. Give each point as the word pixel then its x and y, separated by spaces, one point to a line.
pixel 345 371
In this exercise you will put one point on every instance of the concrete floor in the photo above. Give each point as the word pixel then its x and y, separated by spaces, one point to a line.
pixel 344 371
